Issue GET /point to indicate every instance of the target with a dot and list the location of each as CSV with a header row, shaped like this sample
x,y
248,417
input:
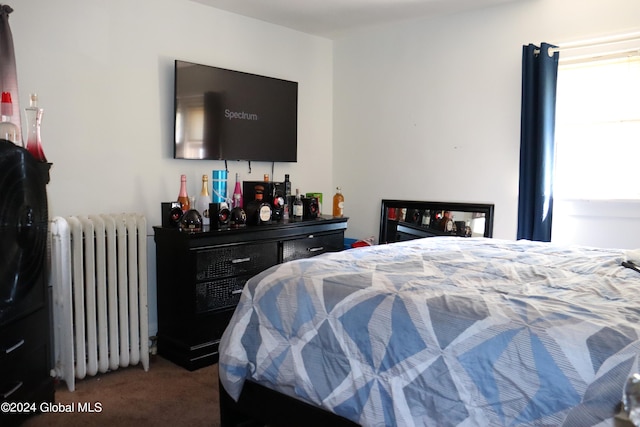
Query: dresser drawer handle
x,y
13,390
319,248
239,260
14,347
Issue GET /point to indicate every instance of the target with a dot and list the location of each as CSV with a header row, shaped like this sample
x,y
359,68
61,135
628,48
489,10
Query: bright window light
x,y
598,130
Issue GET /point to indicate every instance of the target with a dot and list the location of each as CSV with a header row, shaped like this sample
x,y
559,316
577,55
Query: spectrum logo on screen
x,y
240,115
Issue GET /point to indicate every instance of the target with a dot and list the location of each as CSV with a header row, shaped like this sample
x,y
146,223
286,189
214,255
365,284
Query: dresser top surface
x,y
255,232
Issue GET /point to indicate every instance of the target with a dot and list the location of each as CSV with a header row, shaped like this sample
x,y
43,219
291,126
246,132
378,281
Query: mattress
x,y
443,331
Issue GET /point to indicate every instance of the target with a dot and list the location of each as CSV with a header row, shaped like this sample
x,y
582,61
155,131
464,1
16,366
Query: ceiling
x,y
332,18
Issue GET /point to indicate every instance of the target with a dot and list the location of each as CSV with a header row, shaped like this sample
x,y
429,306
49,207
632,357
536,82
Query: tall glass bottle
x,y
203,200
237,193
426,218
287,198
297,207
8,129
34,119
287,185
183,196
338,204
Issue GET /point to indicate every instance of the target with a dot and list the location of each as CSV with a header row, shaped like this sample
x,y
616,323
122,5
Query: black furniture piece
x,y
201,275
25,327
261,406
402,220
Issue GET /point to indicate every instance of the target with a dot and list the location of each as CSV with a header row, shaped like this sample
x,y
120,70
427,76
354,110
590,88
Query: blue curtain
x,y
537,149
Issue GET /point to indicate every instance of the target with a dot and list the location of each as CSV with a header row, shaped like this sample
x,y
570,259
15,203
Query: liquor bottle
x,y
287,198
183,196
392,213
447,222
238,218
297,207
265,211
34,119
223,217
287,185
237,191
426,218
203,200
338,204
237,201
8,129
175,214
191,221
258,211
279,207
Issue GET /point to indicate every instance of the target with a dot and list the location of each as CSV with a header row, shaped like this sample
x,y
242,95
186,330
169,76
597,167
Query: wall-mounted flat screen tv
x,y
231,115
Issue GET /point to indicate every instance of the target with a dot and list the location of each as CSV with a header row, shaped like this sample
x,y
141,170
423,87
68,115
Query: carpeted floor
x,y
165,395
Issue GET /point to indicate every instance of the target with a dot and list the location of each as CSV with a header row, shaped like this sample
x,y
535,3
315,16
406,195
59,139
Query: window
x,y
598,130
597,176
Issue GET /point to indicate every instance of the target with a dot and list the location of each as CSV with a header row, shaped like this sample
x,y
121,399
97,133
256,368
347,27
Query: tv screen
x,y
230,115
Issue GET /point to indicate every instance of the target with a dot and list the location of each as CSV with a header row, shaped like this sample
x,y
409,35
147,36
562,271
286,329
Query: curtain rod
x,y
601,41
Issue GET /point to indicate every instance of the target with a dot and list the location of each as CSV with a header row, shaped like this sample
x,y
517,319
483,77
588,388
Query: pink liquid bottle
x,y
34,119
237,193
183,196
8,129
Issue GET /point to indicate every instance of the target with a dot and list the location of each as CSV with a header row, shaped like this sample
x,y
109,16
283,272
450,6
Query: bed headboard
x,y
410,219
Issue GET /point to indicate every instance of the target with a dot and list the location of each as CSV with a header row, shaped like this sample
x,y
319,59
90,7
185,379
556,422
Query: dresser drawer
x,y
235,260
23,356
21,337
312,245
17,383
219,294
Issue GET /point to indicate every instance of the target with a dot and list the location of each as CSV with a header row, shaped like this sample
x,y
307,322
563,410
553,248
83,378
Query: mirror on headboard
x,y
408,219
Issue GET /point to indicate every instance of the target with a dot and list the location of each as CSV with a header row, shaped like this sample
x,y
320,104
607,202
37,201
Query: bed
x,y
442,331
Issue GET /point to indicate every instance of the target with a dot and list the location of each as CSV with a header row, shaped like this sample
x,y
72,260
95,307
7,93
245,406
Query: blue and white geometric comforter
x,y
443,331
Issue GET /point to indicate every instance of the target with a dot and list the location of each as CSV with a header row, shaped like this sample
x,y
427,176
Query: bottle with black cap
x,y
298,208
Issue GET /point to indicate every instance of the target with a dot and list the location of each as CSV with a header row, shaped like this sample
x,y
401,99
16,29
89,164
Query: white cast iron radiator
x,y
99,287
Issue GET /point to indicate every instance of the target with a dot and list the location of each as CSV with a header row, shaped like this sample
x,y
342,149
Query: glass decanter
x,y
34,119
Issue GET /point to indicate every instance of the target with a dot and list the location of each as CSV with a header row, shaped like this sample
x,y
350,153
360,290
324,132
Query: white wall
x,y
103,71
430,109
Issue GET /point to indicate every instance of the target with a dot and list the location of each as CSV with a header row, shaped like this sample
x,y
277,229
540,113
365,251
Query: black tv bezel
x,y
286,159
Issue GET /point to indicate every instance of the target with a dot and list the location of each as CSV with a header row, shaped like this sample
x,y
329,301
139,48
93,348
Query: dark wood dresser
x,y
200,277
26,385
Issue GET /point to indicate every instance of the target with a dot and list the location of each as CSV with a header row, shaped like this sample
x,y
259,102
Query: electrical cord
x,y
631,265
